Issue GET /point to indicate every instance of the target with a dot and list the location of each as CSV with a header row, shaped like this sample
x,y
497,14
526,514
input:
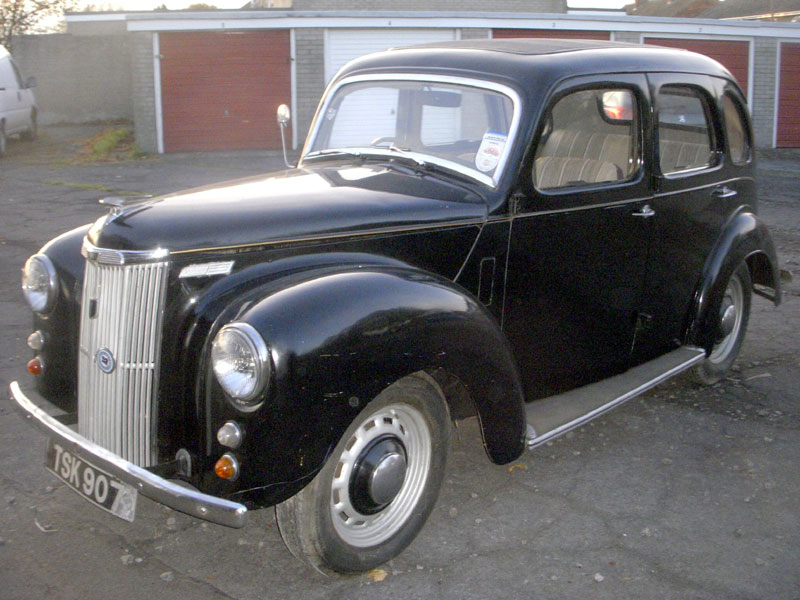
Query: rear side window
x,y
685,139
590,139
736,131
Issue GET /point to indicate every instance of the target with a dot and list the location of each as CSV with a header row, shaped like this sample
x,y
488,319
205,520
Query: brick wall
x,y
475,34
143,88
79,79
310,76
763,76
631,37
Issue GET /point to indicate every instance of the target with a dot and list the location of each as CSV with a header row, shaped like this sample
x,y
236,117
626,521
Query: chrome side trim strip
x,y
533,442
169,493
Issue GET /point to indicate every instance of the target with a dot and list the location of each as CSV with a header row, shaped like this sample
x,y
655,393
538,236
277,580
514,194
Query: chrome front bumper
x,y
166,492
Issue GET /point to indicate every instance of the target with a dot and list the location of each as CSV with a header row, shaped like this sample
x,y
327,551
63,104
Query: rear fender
x,y
744,239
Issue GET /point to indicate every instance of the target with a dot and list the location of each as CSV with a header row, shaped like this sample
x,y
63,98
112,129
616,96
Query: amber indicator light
x,y
226,467
35,366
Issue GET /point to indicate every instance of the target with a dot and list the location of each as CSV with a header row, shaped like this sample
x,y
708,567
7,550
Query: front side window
x,y
464,127
589,138
685,139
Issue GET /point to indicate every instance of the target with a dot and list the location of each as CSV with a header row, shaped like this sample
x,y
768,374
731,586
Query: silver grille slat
x,y
121,312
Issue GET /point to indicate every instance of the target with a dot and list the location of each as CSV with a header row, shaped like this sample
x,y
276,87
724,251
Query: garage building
x,y
212,80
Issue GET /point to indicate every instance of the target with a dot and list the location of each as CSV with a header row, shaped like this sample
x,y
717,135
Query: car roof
x,y
526,62
528,46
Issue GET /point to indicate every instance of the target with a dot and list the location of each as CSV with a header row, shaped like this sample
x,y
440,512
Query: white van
x,y
17,104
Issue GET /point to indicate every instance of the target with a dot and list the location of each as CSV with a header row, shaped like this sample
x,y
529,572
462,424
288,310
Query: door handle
x,y
645,212
724,192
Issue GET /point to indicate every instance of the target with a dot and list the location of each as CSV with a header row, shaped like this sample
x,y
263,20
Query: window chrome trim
x,y
106,256
483,84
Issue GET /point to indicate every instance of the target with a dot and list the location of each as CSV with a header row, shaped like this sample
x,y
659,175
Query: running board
x,y
554,416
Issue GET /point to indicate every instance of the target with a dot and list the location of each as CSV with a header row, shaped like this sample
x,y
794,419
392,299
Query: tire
x,y
737,298
33,130
377,488
3,139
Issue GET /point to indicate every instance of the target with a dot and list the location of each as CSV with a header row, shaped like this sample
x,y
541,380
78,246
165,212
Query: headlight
x,y
240,360
40,283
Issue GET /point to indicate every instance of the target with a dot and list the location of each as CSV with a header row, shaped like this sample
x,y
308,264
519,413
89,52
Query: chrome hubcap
x,y
730,321
380,475
387,478
727,320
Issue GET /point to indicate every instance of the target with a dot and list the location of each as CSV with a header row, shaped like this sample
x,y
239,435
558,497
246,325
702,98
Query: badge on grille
x,y
105,360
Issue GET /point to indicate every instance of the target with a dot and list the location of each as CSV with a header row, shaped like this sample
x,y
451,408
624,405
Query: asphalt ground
x,y
686,492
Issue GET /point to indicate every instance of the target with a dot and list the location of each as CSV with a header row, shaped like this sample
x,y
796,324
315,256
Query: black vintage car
x,y
530,232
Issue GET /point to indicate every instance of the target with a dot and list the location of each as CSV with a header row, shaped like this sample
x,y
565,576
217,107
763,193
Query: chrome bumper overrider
x,y
166,492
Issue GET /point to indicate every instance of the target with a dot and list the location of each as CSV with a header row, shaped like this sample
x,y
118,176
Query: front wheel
x,y
379,485
731,323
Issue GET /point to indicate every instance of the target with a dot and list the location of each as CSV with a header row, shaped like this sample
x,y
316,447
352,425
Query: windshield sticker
x,y
490,151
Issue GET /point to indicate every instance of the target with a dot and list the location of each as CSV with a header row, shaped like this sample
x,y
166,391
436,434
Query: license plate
x,y
97,486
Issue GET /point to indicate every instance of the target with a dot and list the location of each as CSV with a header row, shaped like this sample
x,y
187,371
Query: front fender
x,y
339,339
744,239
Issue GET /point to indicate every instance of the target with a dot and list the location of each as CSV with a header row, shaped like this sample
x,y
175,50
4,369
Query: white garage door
x,y
343,45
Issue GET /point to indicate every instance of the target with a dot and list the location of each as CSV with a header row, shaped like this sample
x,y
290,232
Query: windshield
x,y
465,127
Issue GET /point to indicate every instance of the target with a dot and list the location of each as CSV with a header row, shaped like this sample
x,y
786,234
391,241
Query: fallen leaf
x,y
44,528
377,575
759,376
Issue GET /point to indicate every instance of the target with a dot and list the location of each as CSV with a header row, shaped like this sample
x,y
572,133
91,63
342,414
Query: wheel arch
x,y
744,239
344,337
337,339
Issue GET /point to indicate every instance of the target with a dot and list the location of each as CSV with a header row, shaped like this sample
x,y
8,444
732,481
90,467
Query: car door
x,y
25,102
7,91
694,192
11,97
579,237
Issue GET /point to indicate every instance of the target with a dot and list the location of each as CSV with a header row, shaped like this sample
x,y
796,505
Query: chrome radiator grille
x,y
120,343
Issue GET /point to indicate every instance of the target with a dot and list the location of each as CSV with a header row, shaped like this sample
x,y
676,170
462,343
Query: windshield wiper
x,y
407,153
332,154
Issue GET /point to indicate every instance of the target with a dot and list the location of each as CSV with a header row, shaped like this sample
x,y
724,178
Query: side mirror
x,y
284,116
617,106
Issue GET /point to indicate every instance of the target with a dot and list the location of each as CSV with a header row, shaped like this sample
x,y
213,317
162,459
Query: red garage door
x,y
789,97
561,34
219,91
733,55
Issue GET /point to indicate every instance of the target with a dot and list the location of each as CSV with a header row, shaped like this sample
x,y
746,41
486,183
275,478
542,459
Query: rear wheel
x,y
731,323
33,128
378,486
